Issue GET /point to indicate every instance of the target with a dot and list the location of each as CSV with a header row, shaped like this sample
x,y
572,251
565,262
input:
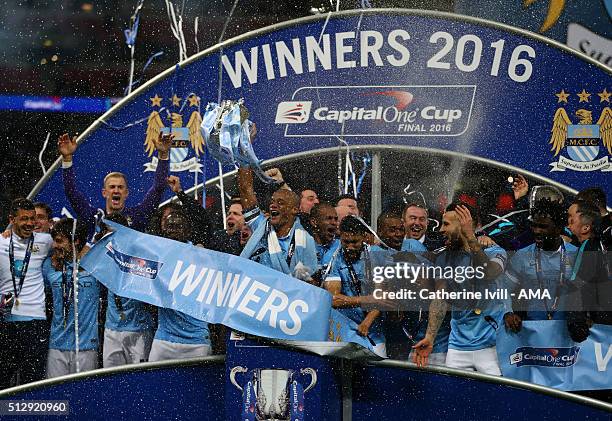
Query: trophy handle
x,y
313,377
233,372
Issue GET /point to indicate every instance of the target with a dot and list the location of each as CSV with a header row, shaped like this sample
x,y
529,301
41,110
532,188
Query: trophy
x,y
550,193
273,393
228,132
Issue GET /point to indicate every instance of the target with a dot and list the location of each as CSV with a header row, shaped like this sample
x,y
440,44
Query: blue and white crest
x,y
185,136
583,141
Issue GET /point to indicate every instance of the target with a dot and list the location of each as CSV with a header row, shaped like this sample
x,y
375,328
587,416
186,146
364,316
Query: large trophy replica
x,y
227,133
273,393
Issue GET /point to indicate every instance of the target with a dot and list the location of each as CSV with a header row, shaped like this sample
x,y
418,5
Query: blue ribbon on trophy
x,y
273,393
226,131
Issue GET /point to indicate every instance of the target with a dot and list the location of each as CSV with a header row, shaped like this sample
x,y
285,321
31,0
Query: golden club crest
x,y
186,137
584,140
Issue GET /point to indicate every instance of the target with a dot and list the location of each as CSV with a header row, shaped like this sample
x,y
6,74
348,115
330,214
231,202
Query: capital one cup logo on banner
x,y
545,357
138,266
585,135
321,111
186,136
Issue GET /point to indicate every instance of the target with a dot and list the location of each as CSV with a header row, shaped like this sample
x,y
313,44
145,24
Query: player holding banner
x,y
347,283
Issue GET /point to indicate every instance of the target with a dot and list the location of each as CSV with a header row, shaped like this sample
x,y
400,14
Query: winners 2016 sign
x,y
422,80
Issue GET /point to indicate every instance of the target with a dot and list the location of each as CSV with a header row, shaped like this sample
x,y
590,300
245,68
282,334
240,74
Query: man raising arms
x,y
115,189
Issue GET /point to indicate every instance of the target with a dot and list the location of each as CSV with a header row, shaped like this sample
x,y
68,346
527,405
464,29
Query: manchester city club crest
x,y
186,137
585,141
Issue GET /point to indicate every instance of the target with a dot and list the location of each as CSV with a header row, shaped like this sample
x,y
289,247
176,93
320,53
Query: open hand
x,y
174,183
520,187
66,146
163,145
466,221
422,349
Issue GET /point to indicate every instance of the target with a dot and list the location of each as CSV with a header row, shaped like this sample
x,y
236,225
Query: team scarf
x,y
265,237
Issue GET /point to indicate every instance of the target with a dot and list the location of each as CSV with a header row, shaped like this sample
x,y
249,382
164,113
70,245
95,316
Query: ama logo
x,y
293,112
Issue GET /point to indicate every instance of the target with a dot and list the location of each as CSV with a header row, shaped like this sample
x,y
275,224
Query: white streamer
x,y
501,218
75,288
133,48
221,182
176,26
40,155
195,31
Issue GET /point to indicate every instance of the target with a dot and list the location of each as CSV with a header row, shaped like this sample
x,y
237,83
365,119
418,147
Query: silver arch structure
x,y
395,364
332,15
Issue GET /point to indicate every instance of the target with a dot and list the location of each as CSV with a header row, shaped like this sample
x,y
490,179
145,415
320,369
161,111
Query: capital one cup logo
x,y
372,110
545,357
293,112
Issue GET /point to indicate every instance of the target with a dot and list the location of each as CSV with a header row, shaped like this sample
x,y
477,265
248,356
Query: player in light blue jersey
x,y
347,283
280,241
471,344
178,335
58,275
405,328
545,265
128,330
324,222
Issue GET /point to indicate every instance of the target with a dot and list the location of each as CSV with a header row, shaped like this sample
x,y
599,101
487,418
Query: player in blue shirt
x,y
545,265
58,275
279,242
471,344
128,330
324,222
178,335
347,283
405,328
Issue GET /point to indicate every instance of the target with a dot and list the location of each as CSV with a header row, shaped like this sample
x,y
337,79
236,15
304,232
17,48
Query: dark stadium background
x,y
77,48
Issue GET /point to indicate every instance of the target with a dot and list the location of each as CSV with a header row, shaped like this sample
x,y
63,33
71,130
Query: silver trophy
x,y
226,106
272,388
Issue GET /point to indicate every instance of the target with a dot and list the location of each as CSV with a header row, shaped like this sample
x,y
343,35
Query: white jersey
x,y
32,296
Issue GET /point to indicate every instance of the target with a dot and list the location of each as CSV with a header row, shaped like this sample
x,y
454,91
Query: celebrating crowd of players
x,y
560,246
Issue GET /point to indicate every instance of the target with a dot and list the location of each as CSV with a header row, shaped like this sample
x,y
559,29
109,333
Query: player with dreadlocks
x,y
545,266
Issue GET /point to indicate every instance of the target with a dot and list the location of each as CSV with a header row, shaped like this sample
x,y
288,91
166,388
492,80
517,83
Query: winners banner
x,y
217,288
543,353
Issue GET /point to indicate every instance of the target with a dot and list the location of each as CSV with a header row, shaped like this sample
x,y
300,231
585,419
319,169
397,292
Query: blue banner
x,y
543,353
56,104
208,285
